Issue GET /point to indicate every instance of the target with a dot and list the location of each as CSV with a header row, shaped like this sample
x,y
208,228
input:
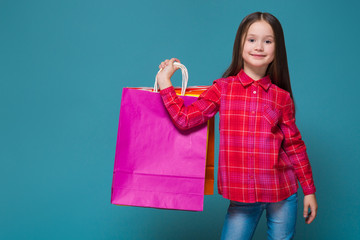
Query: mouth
x,y
258,55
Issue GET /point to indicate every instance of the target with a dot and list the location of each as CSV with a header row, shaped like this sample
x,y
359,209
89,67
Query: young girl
x,y
261,153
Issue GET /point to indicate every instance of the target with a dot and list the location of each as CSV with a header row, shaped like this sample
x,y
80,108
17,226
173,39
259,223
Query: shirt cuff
x,y
167,90
308,191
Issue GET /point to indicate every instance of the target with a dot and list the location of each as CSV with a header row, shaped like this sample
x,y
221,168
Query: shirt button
x,y
252,177
254,92
252,112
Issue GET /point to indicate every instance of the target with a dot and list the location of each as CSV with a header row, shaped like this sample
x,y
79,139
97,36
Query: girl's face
x,y
259,47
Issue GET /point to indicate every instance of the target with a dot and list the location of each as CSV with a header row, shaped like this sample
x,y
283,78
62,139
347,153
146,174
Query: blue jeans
x,y
242,218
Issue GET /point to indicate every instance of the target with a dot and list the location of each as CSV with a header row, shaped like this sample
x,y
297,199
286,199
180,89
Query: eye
x,y
268,41
251,40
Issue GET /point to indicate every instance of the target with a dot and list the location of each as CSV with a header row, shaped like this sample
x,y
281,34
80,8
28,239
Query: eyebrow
x,y
256,35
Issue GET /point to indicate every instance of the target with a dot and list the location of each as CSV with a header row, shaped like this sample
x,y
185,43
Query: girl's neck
x,y
255,73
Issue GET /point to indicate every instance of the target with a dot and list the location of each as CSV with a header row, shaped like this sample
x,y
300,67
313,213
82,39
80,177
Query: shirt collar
x,y
245,80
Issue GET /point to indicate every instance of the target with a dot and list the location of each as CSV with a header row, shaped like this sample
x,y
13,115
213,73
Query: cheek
x,y
272,53
245,49
272,57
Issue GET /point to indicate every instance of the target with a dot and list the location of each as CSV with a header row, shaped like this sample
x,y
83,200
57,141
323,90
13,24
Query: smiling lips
x,y
258,55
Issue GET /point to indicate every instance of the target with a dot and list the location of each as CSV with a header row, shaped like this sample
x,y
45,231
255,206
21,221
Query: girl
x,y
262,154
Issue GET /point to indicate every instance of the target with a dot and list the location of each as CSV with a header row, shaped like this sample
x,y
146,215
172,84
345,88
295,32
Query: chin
x,y
258,65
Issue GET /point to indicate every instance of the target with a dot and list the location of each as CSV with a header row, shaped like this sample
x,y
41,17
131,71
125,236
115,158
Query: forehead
x,y
261,28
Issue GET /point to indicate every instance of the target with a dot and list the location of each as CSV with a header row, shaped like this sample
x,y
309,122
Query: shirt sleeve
x,y
295,148
204,108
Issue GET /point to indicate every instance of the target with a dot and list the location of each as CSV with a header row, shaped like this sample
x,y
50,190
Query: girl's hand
x,y
310,202
168,69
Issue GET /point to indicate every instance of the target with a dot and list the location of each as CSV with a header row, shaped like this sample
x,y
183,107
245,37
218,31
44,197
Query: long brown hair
x,y
278,69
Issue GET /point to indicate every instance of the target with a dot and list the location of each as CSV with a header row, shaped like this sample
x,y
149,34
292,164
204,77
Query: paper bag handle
x,y
185,78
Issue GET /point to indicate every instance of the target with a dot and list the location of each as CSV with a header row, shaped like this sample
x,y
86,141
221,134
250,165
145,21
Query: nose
x,y
259,46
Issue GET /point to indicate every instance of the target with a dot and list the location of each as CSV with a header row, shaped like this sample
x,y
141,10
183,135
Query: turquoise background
x,y
63,65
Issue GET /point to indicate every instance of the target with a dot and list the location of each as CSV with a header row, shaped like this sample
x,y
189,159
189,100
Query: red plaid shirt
x,y
261,153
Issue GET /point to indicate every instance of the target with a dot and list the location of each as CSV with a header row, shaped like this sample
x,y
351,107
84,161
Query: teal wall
x,y
63,65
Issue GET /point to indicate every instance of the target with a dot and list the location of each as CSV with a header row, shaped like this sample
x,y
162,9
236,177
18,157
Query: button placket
x,y
251,163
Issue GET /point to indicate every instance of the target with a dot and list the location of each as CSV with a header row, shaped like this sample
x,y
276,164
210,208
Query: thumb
x,y
171,62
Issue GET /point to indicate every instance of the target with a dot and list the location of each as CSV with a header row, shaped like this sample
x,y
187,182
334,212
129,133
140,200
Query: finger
x,y
313,210
306,210
311,218
172,62
163,64
166,63
175,60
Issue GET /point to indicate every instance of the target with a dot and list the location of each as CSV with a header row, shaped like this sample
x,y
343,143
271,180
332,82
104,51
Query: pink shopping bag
x,y
156,164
